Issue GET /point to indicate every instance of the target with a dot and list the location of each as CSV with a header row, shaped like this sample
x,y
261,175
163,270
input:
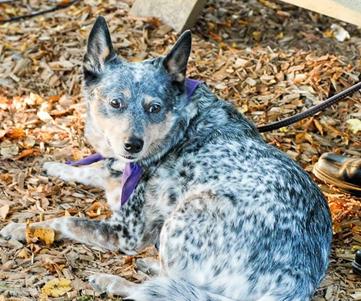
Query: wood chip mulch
x,y
268,58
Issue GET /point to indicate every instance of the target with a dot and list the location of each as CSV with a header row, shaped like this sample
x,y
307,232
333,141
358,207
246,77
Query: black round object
x,y
356,264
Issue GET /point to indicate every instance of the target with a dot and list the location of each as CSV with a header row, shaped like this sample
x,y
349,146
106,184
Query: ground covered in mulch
x,y
268,58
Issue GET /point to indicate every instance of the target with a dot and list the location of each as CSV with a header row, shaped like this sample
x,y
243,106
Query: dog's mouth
x,y
129,158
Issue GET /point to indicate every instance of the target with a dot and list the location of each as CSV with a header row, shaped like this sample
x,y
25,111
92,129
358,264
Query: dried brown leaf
x,y
45,235
4,210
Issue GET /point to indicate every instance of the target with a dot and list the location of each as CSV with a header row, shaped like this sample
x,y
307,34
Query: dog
x,y
234,218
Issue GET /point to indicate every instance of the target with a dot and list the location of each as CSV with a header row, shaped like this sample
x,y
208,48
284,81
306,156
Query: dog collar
x,y
132,172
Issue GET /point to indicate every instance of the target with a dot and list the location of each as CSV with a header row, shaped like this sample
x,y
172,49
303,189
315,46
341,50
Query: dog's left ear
x,y
175,62
99,50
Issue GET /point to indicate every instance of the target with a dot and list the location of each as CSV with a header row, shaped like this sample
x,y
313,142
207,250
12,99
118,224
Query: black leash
x,y
61,5
311,111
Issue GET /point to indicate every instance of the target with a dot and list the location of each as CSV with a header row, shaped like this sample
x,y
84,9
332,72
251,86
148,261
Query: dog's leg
x,y
110,234
124,231
94,175
110,284
98,233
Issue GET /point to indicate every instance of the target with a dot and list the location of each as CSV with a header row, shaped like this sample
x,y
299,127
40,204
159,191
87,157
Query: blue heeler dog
x,y
234,218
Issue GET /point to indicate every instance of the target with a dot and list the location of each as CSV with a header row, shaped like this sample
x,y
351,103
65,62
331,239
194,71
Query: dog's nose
x,y
134,145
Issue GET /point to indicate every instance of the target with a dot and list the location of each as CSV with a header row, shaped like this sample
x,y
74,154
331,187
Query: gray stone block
x,y
179,14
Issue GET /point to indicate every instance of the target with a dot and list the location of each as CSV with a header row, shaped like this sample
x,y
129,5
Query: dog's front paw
x,y
14,231
111,284
101,282
54,169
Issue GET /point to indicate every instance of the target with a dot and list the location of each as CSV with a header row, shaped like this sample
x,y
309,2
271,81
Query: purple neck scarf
x,y
132,172
87,160
191,86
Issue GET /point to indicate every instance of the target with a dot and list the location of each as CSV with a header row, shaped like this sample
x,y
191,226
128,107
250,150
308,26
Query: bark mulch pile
x,y
268,58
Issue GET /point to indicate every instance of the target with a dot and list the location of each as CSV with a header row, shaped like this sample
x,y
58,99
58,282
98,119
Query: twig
x,y
62,5
7,1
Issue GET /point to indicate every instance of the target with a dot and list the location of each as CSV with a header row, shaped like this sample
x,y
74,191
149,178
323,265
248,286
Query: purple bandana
x,y
87,160
191,86
133,171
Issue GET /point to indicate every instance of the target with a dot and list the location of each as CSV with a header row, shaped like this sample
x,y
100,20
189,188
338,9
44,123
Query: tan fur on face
x,y
105,134
97,139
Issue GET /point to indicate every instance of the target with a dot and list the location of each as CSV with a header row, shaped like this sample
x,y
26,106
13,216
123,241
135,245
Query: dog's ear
x,y
99,50
175,62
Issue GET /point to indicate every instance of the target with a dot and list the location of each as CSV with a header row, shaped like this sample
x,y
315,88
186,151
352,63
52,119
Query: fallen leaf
x,y
269,4
24,253
8,149
153,21
356,230
257,35
318,126
45,235
280,35
45,136
52,266
336,228
340,33
354,125
33,99
240,63
29,142
328,33
56,287
97,209
6,177
215,36
44,116
28,152
15,133
4,210
76,154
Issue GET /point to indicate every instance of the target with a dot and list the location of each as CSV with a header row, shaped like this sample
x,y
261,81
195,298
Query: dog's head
x,y
132,107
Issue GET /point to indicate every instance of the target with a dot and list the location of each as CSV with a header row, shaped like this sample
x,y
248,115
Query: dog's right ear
x,y
99,50
175,62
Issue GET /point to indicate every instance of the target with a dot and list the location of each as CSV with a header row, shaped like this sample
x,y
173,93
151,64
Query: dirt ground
x,y
268,58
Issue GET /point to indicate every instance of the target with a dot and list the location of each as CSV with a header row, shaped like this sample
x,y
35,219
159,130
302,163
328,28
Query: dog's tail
x,y
166,289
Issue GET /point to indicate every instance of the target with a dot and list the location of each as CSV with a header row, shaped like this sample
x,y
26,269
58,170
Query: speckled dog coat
x,y
235,218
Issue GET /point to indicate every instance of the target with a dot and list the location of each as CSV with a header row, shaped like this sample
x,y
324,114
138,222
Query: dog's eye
x,y
155,108
115,103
